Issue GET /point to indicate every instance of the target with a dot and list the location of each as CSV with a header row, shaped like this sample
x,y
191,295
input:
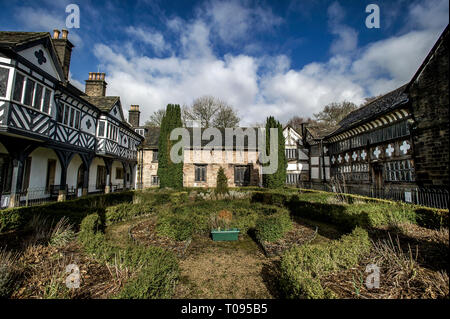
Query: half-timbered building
x,y
399,142
56,140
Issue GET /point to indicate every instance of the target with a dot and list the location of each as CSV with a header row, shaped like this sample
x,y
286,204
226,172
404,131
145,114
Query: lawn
x,y
157,244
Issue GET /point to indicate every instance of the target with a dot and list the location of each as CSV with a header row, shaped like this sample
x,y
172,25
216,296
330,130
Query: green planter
x,y
222,235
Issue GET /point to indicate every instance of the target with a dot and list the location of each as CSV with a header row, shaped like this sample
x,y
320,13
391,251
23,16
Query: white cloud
x,y
153,38
347,38
430,14
234,21
41,20
259,86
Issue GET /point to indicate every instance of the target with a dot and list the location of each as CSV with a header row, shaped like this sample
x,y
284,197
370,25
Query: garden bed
x,y
145,234
298,235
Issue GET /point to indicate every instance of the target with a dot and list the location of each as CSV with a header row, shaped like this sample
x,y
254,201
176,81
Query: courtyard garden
x,y
157,244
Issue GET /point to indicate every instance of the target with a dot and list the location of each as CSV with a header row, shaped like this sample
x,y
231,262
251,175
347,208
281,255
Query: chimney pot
x,y
56,34
65,32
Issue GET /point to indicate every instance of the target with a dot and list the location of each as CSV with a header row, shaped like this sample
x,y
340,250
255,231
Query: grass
x,y
226,270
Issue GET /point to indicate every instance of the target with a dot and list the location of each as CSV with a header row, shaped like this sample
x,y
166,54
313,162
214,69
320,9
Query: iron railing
x,y
429,197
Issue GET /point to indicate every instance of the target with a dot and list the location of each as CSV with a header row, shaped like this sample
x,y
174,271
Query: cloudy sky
x,y
280,58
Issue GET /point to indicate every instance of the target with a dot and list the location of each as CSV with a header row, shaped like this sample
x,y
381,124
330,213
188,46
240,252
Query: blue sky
x,y
281,58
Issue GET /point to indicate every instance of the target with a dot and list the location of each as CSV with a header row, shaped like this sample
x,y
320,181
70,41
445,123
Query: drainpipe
x,y
323,162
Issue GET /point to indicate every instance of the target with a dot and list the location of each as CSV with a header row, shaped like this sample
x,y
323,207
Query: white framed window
x,y
101,128
4,74
113,132
31,93
71,116
140,131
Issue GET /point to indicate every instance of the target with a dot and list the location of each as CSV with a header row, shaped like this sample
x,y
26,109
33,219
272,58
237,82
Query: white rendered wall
x,y
39,165
93,173
114,179
72,171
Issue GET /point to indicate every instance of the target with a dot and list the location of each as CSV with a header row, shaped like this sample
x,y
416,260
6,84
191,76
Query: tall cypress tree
x,y
170,174
278,179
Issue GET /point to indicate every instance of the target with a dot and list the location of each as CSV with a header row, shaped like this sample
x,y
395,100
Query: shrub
x,y
125,211
62,233
75,210
222,182
176,227
273,227
432,218
158,269
302,267
157,278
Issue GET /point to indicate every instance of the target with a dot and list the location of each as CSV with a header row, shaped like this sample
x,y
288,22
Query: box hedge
x,y
303,266
75,210
157,269
364,212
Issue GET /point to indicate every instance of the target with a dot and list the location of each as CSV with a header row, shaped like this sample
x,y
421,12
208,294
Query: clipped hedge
x,y
75,210
302,267
125,211
160,197
273,227
158,268
183,221
363,212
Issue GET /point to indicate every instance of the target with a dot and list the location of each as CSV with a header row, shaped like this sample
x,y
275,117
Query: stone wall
x,y
216,159
213,159
430,105
150,169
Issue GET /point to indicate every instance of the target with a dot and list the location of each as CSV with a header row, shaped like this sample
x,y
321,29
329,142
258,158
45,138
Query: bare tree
x,y
211,111
333,113
226,117
156,118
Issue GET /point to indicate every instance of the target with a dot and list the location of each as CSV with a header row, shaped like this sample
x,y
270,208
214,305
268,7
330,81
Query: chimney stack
x,y
96,84
134,115
63,49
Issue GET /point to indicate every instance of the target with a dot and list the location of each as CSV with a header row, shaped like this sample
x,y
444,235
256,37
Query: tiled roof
x,y
13,38
377,107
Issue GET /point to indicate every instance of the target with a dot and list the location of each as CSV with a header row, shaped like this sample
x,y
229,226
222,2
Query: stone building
x,y
201,165
56,140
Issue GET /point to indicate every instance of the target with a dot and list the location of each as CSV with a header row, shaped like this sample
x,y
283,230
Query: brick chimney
x,y
134,115
63,49
96,84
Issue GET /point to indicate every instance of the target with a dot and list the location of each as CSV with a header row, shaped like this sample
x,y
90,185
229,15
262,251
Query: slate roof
x,y
152,137
104,103
13,38
374,109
